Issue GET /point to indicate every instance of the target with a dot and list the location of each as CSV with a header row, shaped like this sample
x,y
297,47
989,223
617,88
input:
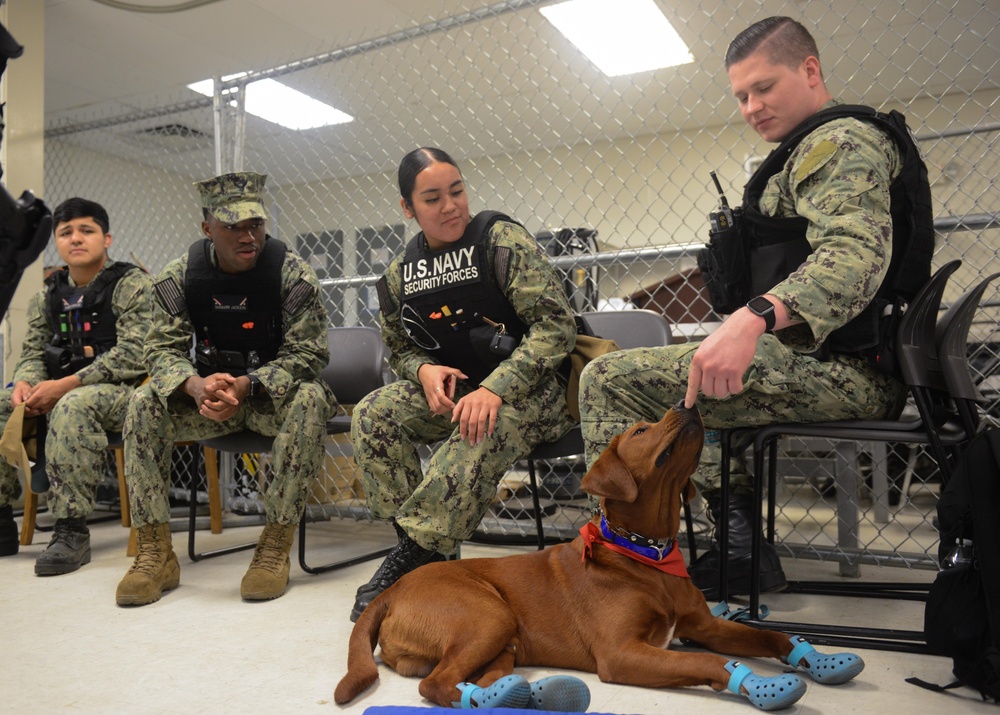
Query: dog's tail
x,y
361,668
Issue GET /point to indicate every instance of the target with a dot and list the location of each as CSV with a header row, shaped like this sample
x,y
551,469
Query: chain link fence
x,y
611,173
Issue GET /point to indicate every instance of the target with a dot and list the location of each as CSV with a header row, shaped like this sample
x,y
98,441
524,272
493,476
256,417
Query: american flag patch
x,y
170,295
300,294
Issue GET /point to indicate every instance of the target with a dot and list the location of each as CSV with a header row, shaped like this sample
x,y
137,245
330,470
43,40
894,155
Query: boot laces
x,y
151,556
270,553
404,557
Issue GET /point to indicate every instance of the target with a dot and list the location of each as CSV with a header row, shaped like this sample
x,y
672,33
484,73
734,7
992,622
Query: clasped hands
x,y
219,395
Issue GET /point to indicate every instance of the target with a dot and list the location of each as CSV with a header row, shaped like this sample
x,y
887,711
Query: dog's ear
x,y
609,477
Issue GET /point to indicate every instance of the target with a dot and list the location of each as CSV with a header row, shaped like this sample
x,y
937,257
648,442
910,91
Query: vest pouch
x,y
490,346
209,360
232,361
724,264
774,262
58,361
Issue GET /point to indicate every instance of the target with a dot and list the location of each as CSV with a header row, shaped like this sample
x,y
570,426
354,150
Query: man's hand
x,y
217,396
41,398
722,359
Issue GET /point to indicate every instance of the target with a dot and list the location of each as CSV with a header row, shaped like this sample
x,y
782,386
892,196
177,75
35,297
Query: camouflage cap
x,y
232,198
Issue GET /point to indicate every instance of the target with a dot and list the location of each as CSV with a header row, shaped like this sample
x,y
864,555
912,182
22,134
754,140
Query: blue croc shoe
x,y
560,693
511,691
774,693
828,669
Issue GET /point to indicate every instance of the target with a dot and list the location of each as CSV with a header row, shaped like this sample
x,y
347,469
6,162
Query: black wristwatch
x,y
764,308
256,388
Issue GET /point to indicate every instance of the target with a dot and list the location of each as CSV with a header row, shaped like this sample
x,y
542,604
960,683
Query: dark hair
x,y
415,162
81,208
785,41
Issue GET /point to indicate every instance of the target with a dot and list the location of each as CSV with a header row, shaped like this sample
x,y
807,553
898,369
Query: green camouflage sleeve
x,y
131,305
838,179
30,366
167,348
303,353
536,292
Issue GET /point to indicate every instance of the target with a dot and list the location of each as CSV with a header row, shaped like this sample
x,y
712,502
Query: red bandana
x,y
672,563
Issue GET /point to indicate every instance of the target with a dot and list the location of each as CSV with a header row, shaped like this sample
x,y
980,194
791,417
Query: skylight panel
x,y
280,104
621,37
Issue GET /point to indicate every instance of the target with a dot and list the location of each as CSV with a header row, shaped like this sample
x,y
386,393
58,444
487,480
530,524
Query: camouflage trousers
x,y
76,457
622,388
152,425
444,503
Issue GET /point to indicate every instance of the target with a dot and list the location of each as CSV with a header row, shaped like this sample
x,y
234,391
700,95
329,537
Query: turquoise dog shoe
x,y
560,693
828,669
774,693
511,691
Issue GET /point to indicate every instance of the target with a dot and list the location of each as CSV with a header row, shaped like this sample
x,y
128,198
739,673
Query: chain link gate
x,y
542,135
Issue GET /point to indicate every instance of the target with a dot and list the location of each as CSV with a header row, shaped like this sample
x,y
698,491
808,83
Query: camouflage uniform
x,y
76,443
442,505
838,178
294,410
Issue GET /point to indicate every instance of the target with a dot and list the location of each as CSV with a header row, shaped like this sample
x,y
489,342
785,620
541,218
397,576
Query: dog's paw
x,y
825,668
765,693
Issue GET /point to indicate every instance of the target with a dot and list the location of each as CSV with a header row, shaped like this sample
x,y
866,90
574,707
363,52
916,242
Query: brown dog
x,y
574,606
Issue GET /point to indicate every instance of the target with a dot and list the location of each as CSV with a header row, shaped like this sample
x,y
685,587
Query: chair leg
x,y
30,514
122,487
133,543
214,493
536,504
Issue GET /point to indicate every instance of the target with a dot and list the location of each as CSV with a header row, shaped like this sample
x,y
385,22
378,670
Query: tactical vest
x,y
446,294
82,318
236,316
778,246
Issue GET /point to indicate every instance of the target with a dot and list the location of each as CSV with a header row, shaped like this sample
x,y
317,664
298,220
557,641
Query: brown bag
x,y
587,348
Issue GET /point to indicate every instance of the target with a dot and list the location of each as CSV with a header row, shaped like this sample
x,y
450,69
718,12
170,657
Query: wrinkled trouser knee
x,y
781,385
298,426
443,504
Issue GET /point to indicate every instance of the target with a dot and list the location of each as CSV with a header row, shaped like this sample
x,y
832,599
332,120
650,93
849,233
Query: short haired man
x,y
802,350
255,310
81,359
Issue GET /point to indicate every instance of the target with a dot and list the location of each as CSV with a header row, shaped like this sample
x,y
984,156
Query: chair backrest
x,y
916,345
631,328
953,350
357,362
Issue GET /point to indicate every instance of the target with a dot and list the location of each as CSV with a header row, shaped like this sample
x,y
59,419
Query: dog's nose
x,y
680,406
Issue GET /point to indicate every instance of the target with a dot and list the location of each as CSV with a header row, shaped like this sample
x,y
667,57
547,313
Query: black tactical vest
x,y
235,314
446,295
778,246
82,319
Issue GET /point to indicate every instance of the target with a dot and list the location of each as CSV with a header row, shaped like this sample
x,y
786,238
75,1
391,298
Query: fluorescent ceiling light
x,y
620,36
280,104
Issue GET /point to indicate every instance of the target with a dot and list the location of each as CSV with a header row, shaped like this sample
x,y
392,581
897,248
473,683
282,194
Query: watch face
x,y
760,305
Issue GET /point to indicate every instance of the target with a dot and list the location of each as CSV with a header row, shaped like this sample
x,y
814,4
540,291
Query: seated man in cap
x,y
255,310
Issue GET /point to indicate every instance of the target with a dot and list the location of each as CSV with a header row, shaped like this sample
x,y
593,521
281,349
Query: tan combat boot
x,y
155,569
267,576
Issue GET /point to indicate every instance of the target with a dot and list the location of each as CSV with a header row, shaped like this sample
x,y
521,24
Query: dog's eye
x,y
639,430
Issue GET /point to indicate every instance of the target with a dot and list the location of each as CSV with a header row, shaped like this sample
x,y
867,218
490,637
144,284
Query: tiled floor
x,y
66,646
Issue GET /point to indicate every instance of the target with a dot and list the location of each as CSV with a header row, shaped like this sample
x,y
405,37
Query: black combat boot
x,y
9,541
705,569
404,557
68,550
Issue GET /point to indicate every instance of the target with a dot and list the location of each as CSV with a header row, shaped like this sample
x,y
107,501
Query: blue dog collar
x,y
637,543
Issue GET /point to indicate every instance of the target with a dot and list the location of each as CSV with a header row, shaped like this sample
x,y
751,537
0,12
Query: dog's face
x,y
649,462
